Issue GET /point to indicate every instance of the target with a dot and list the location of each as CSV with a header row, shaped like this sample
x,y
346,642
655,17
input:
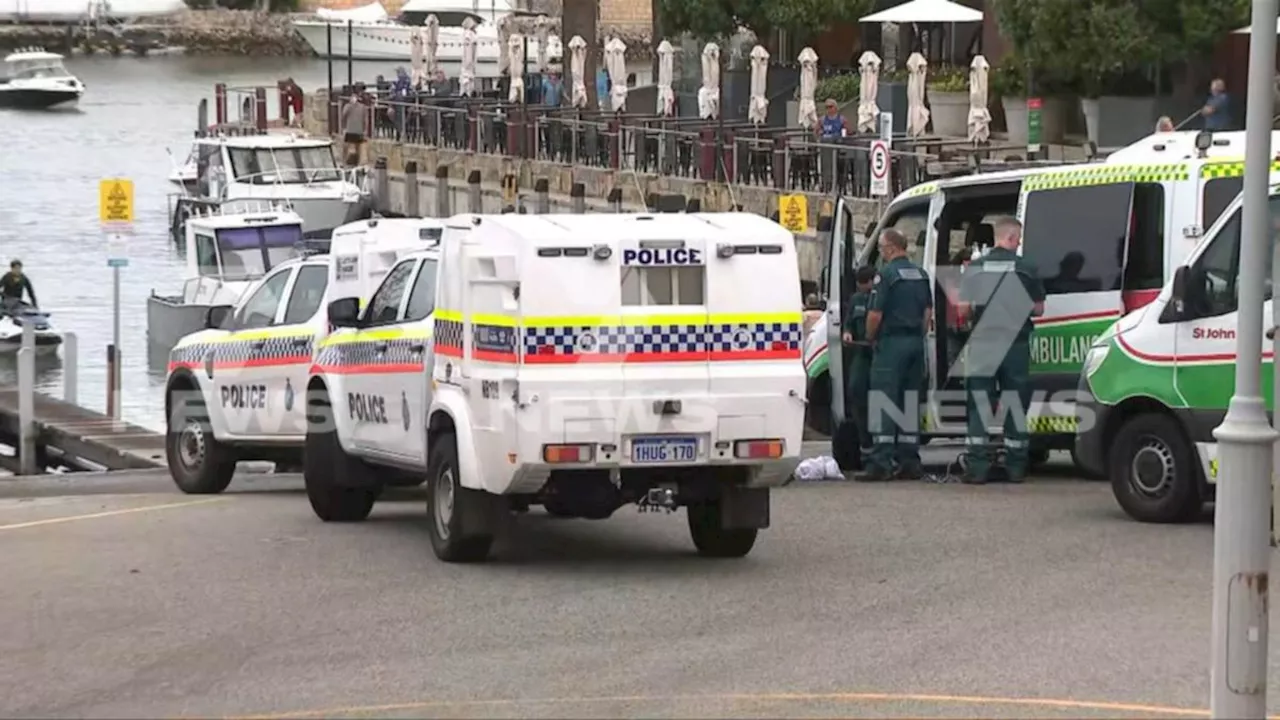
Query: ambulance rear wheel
x,y
340,487
448,505
1153,471
199,464
712,539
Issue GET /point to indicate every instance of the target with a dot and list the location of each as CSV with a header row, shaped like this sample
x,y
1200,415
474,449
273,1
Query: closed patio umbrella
x,y
979,114
808,109
542,31
758,109
615,58
666,68
467,75
578,66
431,45
917,113
515,46
709,93
868,111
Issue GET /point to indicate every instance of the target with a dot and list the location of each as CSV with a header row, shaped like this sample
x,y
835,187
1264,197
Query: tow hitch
x,y
657,499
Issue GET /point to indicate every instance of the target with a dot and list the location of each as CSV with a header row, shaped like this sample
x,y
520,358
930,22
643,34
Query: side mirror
x,y
871,228
1177,308
215,318
344,312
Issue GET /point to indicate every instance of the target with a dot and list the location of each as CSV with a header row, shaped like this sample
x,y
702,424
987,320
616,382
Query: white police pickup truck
x,y
578,362
234,390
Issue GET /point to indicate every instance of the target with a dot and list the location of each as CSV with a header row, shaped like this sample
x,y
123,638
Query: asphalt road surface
x,y
121,597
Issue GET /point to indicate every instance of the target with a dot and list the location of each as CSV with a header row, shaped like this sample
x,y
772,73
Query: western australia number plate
x,y
664,450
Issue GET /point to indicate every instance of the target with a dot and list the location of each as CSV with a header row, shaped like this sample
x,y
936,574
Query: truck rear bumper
x,y
753,474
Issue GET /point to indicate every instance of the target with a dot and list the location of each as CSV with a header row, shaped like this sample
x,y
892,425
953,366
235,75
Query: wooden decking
x,y
77,438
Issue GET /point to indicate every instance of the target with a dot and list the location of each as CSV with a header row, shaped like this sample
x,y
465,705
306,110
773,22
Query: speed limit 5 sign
x,y
879,168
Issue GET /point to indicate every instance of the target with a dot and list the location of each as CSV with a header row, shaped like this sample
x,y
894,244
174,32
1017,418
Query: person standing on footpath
x,y
355,130
901,310
1001,292
858,347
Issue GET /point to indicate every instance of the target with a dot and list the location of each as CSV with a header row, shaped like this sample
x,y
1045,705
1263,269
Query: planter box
x,y
1053,120
1119,121
949,113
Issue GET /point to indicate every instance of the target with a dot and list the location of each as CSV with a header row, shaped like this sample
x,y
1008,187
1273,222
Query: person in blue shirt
x,y
602,89
833,124
551,86
1217,108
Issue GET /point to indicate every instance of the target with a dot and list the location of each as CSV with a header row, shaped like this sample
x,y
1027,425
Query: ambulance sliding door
x,y
1075,231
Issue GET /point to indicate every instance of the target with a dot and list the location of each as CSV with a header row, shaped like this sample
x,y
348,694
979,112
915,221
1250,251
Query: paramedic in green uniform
x,y
1001,292
901,310
858,347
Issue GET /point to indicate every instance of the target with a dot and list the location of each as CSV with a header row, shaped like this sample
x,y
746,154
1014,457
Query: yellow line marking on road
x,y
108,513
863,697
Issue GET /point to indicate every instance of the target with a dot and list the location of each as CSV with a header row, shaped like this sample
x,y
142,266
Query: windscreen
x,y
263,166
249,252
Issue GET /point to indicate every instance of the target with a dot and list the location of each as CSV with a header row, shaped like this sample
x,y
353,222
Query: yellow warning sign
x,y
115,200
793,213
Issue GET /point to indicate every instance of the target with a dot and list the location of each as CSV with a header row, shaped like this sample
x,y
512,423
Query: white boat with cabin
x,y
272,167
33,79
389,39
225,253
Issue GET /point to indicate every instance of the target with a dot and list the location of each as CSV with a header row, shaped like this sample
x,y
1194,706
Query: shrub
x,y
949,79
843,88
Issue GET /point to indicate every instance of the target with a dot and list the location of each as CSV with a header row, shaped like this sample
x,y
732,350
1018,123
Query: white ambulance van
x,y
1157,383
1105,237
578,362
234,389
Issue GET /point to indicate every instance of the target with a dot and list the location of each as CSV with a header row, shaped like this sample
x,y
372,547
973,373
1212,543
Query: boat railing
x,y
198,207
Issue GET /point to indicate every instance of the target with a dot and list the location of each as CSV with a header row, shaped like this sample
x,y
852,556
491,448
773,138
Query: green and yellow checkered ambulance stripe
x,y
1228,168
1100,174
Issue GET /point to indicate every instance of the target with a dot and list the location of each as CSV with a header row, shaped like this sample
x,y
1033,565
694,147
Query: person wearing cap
x,y
14,285
355,130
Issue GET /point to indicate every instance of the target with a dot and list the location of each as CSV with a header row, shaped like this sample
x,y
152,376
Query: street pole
x,y
117,374
1241,534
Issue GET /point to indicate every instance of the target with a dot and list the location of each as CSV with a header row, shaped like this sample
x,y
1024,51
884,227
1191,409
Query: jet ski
x,y
15,316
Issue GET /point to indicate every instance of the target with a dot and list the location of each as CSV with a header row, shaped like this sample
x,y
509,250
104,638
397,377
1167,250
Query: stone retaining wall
x,y
201,32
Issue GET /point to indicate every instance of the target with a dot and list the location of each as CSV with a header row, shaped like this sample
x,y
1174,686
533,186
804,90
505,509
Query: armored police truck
x,y
1105,236
235,389
578,362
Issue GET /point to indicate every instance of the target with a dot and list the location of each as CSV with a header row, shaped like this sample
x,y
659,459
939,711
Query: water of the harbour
x,y
134,109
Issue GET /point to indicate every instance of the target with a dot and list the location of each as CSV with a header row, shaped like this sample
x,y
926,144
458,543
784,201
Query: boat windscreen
x,y
288,165
249,252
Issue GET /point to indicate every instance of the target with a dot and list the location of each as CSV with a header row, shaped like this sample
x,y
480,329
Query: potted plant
x,y
1112,49
1008,81
948,97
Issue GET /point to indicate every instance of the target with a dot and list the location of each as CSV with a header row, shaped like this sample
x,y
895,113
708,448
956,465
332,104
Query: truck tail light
x,y
757,449
558,454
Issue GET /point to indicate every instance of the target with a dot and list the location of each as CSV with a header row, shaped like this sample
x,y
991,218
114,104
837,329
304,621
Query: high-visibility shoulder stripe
x,y
1102,174
1228,168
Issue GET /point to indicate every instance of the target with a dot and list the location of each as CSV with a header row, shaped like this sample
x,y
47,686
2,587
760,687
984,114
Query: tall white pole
x,y
1241,535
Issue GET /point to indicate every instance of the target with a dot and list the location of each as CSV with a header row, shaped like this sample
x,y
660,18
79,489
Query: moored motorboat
x,y
37,80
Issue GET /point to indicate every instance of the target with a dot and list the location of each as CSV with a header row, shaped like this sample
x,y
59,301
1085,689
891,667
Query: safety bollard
x,y
578,198
615,200
542,196
381,187
442,192
27,411
412,203
475,198
71,368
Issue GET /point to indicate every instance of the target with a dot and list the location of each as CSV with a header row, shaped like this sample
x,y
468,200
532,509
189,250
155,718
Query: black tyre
x,y
446,507
1039,456
199,464
339,486
711,539
1154,471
